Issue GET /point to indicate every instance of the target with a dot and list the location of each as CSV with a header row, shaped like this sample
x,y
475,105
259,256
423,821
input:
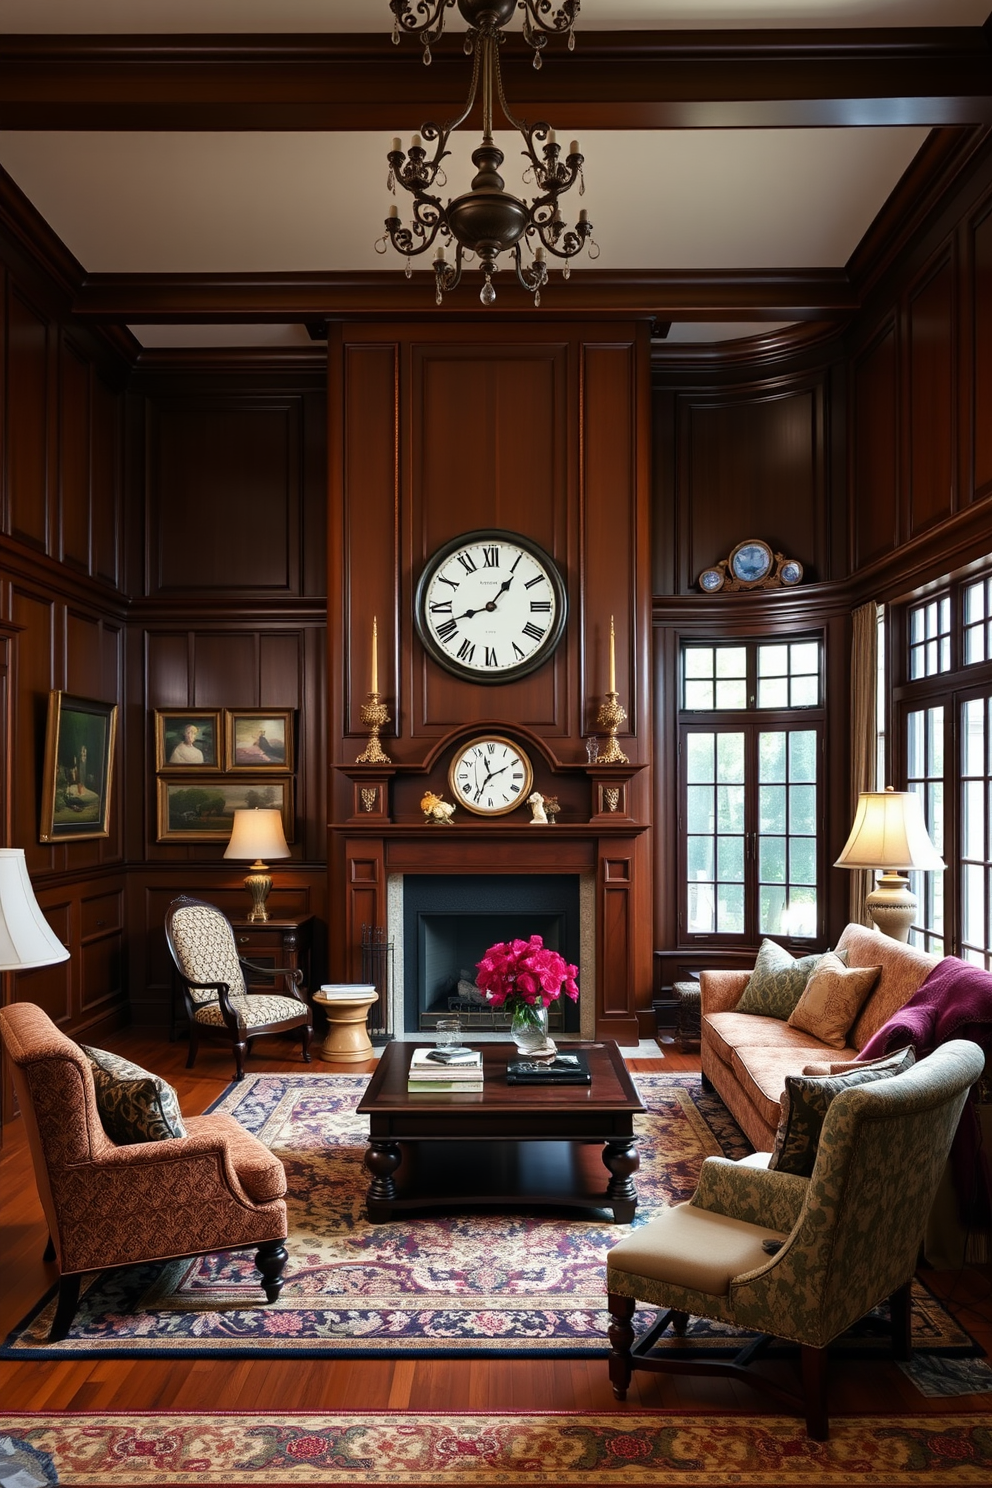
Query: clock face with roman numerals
x,y
490,776
490,606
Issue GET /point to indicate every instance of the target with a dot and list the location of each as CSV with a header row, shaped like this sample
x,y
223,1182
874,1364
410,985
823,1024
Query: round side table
x,y
347,1006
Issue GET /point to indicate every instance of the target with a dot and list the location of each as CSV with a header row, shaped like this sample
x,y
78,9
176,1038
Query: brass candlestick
x,y
374,715
611,715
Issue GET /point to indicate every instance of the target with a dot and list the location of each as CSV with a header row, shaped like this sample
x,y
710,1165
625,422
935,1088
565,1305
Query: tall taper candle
x,y
375,653
613,658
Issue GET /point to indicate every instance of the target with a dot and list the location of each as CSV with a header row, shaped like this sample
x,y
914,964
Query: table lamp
x,y
26,937
258,834
889,833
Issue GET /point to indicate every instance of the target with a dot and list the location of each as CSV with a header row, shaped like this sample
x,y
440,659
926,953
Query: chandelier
x,y
486,220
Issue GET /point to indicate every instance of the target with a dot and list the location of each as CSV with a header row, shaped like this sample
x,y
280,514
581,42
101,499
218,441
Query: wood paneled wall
x,y
63,615
229,611
920,451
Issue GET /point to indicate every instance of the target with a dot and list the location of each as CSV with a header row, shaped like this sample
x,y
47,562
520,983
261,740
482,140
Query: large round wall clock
x,y
490,775
490,606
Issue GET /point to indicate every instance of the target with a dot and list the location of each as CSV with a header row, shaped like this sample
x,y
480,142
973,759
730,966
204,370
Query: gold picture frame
x,y
80,737
259,739
182,734
202,810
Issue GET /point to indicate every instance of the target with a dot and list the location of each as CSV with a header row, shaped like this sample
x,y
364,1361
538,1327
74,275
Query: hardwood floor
x,y
417,1384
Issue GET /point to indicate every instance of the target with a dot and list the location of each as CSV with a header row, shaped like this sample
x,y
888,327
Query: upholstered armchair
x,y
218,1000
844,1239
215,1189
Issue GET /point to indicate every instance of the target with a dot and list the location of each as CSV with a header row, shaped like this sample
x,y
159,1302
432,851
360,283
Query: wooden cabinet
x,y
284,942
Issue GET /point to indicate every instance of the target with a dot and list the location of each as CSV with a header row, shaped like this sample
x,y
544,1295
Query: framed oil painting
x,y
191,740
203,810
79,764
259,738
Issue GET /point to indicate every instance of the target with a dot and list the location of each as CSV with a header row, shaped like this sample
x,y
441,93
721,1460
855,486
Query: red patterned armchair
x,y
217,1188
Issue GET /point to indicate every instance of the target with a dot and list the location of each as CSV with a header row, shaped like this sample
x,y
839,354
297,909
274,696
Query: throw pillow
x,y
804,1105
832,999
134,1106
777,981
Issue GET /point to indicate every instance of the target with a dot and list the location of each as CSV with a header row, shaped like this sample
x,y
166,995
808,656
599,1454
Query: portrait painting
x,y
260,739
191,740
79,758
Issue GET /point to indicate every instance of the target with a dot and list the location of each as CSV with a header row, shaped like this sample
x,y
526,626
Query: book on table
x,y
445,1087
564,1069
441,1067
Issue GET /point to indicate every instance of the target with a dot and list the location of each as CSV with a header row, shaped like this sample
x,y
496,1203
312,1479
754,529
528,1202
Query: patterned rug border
x,y
643,1448
703,1109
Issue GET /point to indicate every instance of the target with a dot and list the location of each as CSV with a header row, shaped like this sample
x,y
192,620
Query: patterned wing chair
x,y
846,1238
218,1000
217,1188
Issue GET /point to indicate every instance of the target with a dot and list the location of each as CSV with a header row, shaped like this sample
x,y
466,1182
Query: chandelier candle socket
x,y
486,220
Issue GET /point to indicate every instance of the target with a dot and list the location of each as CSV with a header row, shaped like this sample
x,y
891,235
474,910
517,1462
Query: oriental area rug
x,y
480,1283
649,1449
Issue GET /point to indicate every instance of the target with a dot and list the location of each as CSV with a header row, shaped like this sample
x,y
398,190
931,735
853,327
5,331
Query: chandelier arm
x,y
428,220
428,30
560,23
520,125
559,241
532,278
429,130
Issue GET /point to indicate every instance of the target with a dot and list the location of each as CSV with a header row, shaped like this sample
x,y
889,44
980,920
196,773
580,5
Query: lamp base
x,y
892,906
258,883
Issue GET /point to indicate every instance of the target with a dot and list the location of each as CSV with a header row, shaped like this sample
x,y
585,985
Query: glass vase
x,y
529,1029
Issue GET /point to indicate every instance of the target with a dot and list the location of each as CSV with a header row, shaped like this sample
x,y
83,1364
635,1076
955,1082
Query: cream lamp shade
x,y
257,834
26,937
889,833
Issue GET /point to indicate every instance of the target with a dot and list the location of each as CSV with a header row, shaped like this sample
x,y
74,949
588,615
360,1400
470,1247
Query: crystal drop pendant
x,y
571,41
428,59
487,294
408,271
537,62
537,299
566,272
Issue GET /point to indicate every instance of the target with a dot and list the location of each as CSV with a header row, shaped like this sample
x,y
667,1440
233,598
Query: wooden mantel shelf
x,y
602,826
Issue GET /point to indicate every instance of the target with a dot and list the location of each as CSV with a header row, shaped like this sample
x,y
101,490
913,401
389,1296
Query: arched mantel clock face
x,y
490,606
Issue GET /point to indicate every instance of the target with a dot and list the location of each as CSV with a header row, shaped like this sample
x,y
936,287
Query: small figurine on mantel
x,y
436,811
539,817
551,810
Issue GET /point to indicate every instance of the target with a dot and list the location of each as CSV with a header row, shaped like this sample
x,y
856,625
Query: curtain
x,y
864,737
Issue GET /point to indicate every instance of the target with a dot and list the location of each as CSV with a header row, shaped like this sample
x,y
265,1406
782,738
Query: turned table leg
x,y
382,1158
622,1159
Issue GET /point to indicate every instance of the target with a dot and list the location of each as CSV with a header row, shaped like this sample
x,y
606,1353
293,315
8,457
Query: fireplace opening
x,y
451,920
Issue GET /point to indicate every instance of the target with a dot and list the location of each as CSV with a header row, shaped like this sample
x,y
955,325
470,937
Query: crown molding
x,y
759,350
613,80
292,364
775,294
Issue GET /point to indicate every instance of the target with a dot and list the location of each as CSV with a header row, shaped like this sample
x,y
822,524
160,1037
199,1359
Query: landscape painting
x,y
260,739
204,812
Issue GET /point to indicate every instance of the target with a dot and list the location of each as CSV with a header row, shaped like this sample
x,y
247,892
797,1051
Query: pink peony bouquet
x,y
525,973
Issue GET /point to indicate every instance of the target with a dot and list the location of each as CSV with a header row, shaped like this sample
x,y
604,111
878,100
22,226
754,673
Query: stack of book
x,y
445,1071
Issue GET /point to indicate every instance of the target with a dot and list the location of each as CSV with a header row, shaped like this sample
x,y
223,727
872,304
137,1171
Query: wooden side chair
x,y
218,1000
798,1258
113,1203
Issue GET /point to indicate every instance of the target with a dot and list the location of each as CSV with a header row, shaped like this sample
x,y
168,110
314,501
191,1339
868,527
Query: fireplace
x,y
449,921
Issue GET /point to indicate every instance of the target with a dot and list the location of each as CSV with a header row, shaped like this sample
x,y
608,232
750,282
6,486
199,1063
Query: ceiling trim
x,y
758,350
618,80
776,294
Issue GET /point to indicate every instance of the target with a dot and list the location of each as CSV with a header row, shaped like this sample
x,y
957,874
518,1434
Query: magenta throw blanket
x,y
954,1002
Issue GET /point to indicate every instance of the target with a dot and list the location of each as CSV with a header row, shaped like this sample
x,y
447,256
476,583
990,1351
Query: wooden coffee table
x,y
511,1145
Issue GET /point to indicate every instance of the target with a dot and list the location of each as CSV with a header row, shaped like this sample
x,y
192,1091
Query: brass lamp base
x,y
893,906
258,883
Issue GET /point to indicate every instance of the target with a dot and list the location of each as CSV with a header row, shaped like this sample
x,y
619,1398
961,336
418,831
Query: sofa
x,y
746,1057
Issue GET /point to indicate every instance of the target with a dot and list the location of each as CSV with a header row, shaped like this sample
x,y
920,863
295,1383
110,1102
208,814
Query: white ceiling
x,y
134,202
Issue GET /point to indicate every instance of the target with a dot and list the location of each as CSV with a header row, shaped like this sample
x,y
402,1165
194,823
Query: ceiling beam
x,y
777,294
618,80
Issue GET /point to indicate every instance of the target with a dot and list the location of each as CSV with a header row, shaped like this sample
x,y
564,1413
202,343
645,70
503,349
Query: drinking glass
x,y
449,1033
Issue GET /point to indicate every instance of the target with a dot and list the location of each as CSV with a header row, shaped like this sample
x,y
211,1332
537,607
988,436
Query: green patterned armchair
x,y
848,1236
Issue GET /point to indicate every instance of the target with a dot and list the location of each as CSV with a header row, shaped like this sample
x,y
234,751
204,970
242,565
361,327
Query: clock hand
x,y
500,591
